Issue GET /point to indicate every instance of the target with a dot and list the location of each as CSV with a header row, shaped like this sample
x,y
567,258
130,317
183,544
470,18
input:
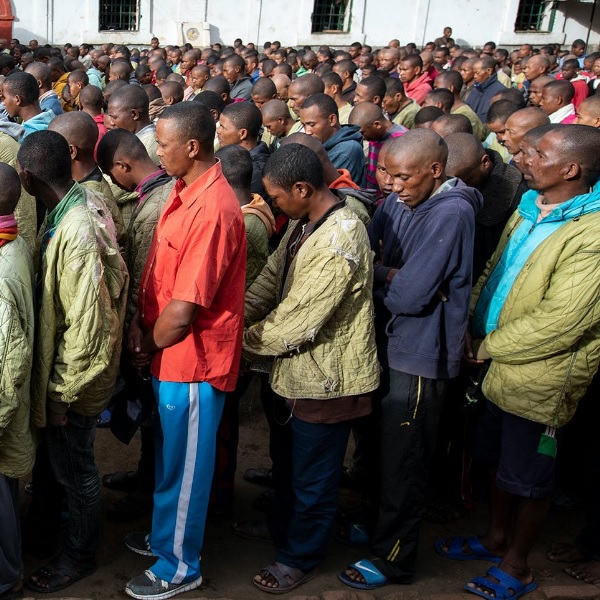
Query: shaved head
x,y
450,124
91,97
171,90
308,85
78,128
519,123
536,87
422,143
365,113
465,156
41,71
275,109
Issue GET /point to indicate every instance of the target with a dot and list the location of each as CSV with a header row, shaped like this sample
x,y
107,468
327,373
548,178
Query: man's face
x,y
412,179
514,130
499,128
569,72
317,125
187,62
578,50
480,73
227,133
499,57
447,31
596,67
391,104
362,94
260,100
250,65
154,44
466,72
230,72
488,49
407,72
175,57
586,117
10,102
120,117
549,102
13,43
171,151
74,88
387,61
524,51
535,92
353,51
198,80
533,69
384,181
543,167
33,45
296,98
290,202
440,58
363,61
83,50
344,75
17,54
275,127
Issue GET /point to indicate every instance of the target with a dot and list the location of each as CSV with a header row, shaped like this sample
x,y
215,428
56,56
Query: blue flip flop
x,y
506,588
374,578
455,550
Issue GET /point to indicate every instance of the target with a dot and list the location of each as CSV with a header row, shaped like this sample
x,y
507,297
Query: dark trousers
x,y
66,468
307,464
411,408
11,566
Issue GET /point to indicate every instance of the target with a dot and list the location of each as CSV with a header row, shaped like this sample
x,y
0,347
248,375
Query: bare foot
x,y
265,579
586,571
355,575
564,552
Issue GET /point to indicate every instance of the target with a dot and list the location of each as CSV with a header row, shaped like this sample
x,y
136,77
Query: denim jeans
x,y
71,457
307,464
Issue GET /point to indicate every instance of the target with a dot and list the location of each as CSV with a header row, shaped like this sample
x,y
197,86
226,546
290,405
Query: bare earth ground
x,y
229,563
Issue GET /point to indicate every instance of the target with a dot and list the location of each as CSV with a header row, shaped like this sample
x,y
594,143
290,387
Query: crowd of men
x,y
396,243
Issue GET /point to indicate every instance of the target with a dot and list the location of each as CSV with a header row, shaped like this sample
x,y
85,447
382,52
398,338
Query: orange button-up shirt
x,y
198,255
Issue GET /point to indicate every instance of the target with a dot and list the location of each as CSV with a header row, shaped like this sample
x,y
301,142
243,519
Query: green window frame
x,y
535,15
330,16
119,15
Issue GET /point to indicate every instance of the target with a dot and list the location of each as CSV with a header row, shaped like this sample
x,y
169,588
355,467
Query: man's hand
x,y
135,335
469,354
391,274
56,420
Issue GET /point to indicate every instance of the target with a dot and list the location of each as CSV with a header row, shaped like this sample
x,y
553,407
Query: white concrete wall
x,y
371,21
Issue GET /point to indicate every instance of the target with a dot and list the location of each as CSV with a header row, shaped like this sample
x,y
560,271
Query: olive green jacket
x,y
318,322
81,311
546,348
17,318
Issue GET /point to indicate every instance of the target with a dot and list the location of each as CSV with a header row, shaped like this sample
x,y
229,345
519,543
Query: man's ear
x,y
376,100
303,189
437,170
122,166
572,171
243,133
135,114
73,151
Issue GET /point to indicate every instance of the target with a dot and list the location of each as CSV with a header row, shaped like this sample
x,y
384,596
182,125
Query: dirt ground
x,y
229,563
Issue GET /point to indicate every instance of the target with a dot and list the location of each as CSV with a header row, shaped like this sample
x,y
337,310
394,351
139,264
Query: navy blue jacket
x,y
432,246
481,96
345,151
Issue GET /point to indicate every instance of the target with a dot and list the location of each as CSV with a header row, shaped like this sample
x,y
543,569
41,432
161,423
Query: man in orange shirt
x,y
189,330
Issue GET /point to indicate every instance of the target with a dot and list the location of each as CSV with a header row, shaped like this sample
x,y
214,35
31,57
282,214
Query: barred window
x,y
119,15
535,15
330,15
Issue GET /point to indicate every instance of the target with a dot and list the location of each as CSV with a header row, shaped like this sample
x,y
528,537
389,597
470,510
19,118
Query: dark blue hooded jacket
x,y
432,246
345,151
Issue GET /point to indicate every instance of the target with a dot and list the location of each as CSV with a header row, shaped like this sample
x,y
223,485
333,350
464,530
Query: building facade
x,y
312,22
